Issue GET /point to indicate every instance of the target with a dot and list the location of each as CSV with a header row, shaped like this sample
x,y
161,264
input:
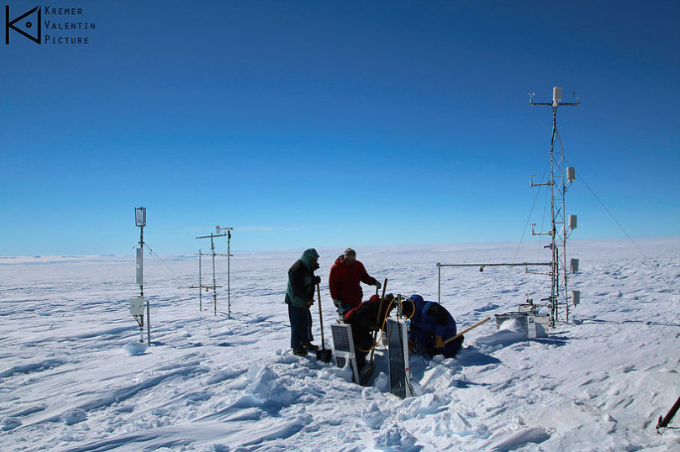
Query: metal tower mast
x,y
560,180
214,285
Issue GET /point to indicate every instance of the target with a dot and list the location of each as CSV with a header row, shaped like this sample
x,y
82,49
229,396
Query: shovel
x,y
323,354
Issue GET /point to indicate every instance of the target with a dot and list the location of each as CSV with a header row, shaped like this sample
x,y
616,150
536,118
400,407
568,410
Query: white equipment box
x,y
535,325
137,306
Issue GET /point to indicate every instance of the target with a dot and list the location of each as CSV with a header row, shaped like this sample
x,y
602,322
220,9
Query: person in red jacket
x,y
346,275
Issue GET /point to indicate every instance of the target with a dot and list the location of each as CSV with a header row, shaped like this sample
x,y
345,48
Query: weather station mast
x,y
561,179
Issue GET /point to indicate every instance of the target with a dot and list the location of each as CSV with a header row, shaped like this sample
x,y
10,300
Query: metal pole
x,y
564,235
554,289
141,245
523,264
229,274
212,246
200,283
148,322
439,283
141,287
213,254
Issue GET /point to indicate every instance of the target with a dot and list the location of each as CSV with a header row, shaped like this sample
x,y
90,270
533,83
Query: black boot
x,y
310,346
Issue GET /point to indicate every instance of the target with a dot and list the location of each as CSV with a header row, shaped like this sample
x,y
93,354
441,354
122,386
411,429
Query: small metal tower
x,y
214,285
560,180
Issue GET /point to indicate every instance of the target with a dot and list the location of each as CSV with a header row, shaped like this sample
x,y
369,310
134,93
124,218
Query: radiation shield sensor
x,y
140,216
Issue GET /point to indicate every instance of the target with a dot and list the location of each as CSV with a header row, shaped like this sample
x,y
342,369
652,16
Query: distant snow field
x,y
73,376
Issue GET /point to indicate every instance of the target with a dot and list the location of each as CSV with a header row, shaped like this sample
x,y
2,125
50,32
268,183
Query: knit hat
x,y
350,252
309,254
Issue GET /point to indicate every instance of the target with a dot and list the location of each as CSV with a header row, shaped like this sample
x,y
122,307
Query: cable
x,y
526,225
382,328
153,253
540,242
612,216
514,259
375,344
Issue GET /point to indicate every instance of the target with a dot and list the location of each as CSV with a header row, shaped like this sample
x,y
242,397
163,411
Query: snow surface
x,y
74,378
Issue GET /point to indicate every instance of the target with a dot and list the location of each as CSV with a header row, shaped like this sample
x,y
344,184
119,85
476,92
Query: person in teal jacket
x,y
299,298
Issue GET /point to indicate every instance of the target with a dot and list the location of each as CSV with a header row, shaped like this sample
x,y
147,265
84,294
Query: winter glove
x,y
317,280
439,342
310,303
377,284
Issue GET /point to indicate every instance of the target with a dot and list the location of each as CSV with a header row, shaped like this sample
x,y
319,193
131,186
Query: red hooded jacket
x,y
344,281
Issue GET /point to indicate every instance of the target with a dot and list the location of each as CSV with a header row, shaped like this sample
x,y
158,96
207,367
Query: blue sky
x,y
336,123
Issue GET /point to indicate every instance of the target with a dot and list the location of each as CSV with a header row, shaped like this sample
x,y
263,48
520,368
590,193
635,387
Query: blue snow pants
x,y
300,326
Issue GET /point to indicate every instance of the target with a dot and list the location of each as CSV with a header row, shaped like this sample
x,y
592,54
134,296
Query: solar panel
x,y
397,349
343,346
342,337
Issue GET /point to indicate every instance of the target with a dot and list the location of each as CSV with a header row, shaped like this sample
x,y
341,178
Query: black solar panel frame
x,y
397,363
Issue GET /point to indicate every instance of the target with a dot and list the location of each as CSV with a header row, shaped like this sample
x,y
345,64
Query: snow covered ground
x,y
74,378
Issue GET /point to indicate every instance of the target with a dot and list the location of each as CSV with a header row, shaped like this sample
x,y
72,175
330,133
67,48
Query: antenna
x,y
559,183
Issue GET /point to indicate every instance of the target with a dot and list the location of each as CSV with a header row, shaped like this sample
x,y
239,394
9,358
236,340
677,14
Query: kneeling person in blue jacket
x,y
431,326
